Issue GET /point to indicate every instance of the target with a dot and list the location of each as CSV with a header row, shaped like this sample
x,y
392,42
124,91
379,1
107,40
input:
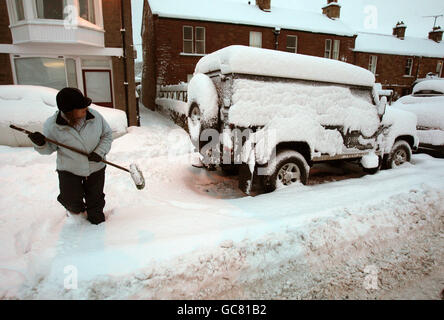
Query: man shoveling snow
x,y
80,177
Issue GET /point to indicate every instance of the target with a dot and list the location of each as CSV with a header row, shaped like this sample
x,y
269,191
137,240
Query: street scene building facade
x,y
77,43
175,36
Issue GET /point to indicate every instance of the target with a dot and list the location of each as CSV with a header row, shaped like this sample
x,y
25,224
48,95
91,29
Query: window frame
x,y
336,49
183,39
328,52
252,33
200,41
296,44
440,66
411,67
373,64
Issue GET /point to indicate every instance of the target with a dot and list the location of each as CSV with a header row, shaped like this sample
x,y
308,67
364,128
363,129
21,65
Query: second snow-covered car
x,y
278,113
427,102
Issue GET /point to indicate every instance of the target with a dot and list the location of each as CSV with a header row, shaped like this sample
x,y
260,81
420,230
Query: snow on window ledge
x,y
193,54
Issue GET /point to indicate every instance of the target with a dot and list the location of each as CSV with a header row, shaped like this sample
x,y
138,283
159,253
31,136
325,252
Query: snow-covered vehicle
x,y
427,102
278,113
29,106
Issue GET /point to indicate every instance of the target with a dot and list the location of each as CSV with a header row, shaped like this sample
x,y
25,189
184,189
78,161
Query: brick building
x,y
76,43
177,34
397,61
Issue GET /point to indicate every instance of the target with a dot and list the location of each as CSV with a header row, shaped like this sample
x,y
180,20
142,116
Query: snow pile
x,y
265,62
229,11
430,85
370,161
202,92
30,106
429,110
255,103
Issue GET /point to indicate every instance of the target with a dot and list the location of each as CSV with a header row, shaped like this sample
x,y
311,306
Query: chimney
x,y
436,34
332,9
264,5
399,30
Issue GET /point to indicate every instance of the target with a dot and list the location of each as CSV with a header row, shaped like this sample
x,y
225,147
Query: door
x,y
98,87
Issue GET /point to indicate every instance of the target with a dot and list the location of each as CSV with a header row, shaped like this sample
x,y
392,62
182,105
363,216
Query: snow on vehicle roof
x,y
432,85
243,13
265,62
388,44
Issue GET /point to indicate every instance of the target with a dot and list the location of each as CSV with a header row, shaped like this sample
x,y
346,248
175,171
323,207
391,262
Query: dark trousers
x,y
78,194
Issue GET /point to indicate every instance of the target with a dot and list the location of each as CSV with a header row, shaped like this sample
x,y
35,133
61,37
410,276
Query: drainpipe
x,y
125,66
276,32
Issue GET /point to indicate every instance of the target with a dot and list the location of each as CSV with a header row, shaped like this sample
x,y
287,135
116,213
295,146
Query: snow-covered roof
x,y
265,62
243,13
388,44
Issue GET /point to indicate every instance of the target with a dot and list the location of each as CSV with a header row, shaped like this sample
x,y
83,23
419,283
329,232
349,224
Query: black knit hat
x,y
69,99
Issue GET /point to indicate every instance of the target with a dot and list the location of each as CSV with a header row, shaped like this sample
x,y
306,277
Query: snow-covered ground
x,y
192,234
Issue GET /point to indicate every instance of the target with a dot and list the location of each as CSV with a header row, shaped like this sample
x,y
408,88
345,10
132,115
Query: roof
x,y
273,63
242,13
388,44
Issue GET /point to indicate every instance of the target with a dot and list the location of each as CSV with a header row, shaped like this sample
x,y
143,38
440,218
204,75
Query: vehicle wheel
x,y
400,154
288,168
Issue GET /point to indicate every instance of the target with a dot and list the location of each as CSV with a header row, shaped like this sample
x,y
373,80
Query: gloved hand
x,y
94,157
37,138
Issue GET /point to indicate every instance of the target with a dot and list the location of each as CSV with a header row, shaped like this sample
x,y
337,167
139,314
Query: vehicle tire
x,y
401,153
288,168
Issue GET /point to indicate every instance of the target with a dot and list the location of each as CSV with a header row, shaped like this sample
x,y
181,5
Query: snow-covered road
x,y
192,234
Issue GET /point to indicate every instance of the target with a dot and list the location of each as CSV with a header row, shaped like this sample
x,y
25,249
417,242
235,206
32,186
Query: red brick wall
x,y
173,67
149,71
390,70
5,32
5,38
113,38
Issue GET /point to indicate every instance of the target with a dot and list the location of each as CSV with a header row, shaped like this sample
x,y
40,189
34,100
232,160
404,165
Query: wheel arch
x,y
299,146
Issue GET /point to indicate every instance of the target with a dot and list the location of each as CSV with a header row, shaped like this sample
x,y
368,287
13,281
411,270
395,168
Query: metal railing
x,y
175,92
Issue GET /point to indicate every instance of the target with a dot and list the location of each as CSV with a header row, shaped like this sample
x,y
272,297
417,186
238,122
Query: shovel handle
x,y
67,147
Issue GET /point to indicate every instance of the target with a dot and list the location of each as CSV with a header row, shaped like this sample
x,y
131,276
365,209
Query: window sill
x,y
192,54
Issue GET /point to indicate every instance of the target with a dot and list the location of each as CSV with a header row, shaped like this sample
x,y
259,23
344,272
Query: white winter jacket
x,y
94,136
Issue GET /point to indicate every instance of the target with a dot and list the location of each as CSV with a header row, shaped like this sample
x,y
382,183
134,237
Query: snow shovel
x,y
134,171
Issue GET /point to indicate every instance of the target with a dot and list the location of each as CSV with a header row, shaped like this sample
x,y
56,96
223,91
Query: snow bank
x,y
202,91
30,106
265,62
429,110
432,85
